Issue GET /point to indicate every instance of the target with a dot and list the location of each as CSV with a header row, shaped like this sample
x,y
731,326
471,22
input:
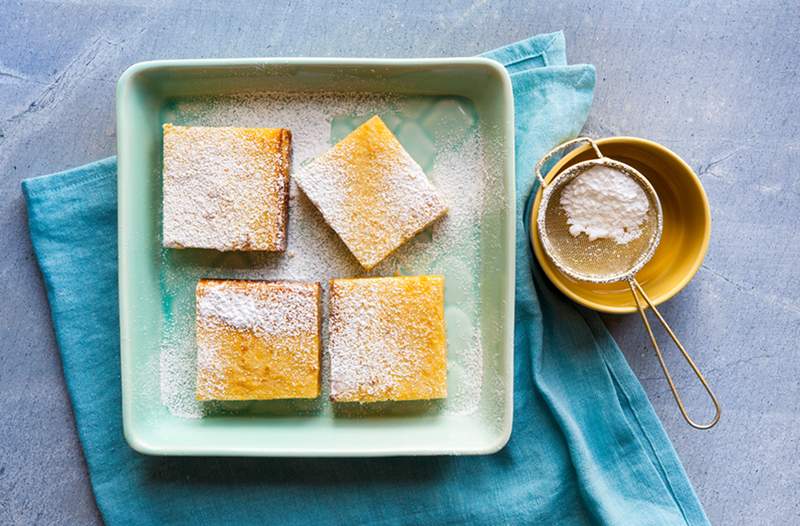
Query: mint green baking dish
x,y
143,92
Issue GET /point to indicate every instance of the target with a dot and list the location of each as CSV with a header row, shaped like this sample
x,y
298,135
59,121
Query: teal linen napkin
x,y
586,447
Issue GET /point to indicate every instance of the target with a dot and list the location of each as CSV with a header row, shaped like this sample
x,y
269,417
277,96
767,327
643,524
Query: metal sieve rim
x,y
566,176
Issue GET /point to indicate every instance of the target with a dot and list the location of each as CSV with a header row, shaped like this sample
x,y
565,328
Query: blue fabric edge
x,y
69,178
550,46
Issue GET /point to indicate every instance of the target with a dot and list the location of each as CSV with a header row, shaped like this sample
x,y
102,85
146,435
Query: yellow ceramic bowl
x,y
684,241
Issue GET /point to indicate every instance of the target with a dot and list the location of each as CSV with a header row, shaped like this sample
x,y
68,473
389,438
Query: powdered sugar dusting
x,y
284,309
383,339
178,378
276,313
458,166
225,188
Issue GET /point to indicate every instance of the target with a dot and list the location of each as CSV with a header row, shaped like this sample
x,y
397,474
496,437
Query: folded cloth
x,y
586,447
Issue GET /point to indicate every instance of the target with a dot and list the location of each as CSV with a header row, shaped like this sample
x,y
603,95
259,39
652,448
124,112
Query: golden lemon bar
x,y
386,339
371,192
226,188
257,340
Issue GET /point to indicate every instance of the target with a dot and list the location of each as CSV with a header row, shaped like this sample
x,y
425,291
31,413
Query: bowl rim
x,y
559,279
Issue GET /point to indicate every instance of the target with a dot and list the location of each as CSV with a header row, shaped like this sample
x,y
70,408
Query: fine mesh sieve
x,y
604,260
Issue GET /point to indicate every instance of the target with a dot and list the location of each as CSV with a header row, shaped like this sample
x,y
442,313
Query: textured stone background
x,y
715,81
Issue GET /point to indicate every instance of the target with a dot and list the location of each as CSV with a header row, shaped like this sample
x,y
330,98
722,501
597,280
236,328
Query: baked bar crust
x,y
386,339
257,340
371,192
226,188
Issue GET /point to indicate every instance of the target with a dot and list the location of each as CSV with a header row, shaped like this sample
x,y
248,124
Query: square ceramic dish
x,y
147,94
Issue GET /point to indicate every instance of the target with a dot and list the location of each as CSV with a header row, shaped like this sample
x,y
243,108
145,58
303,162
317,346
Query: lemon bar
x,y
226,188
257,340
386,339
371,192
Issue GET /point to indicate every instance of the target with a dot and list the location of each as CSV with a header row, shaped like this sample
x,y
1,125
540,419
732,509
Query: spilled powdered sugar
x,y
459,169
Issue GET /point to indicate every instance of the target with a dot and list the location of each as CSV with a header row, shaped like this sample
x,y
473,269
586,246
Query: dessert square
x,y
257,340
386,339
226,188
371,192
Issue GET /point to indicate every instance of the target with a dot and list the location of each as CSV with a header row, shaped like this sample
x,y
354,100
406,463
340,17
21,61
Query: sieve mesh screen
x,y
603,259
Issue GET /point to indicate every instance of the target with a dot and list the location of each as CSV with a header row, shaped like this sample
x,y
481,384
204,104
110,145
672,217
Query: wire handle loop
x,y
636,290
558,149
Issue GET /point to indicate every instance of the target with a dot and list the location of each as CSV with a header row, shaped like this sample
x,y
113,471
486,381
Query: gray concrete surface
x,y
715,81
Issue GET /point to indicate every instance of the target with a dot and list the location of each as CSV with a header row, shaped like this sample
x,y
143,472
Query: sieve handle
x,y
636,290
558,149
